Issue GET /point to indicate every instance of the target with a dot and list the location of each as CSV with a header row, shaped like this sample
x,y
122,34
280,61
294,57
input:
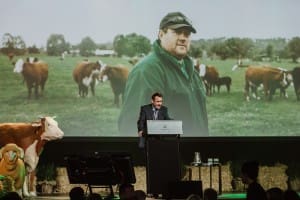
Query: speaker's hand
x,y
140,133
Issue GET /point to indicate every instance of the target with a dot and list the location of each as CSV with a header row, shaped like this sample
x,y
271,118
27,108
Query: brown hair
x,y
156,94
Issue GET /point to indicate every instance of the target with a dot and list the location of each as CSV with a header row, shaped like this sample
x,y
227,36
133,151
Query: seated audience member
x,y
126,191
249,176
11,196
76,193
210,194
140,195
290,195
94,196
194,197
274,193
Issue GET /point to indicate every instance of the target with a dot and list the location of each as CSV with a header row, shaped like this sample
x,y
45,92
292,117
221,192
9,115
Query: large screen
x,y
231,36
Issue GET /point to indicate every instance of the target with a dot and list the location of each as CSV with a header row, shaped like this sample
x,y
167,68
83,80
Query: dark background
x,y
267,150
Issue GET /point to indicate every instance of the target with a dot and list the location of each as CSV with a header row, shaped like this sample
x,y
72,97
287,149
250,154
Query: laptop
x,y
164,127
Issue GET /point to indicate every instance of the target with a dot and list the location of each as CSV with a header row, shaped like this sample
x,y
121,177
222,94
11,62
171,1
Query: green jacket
x,y
184,96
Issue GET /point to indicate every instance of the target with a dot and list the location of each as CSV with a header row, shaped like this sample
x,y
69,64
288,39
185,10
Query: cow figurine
x,y
12,165
31,137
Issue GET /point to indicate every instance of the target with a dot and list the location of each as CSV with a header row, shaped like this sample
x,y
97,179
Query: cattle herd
x,y
267,77
87,74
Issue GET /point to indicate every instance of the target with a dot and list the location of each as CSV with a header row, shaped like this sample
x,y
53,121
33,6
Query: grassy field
x,y
229,114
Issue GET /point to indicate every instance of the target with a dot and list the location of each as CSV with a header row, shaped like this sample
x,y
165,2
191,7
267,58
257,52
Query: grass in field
x,y
229,114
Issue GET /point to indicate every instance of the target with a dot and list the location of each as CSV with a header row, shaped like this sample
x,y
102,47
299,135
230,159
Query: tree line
x,y
273,48
135,45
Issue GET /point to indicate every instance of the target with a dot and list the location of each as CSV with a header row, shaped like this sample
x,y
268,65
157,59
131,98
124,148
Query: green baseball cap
x,y
175,20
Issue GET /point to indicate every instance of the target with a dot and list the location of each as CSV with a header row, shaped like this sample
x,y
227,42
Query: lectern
x,y
162,154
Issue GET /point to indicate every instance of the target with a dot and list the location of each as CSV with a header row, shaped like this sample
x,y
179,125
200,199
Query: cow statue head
x,y
51,129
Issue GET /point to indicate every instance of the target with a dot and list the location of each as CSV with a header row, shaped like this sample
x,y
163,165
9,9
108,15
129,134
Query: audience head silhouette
x,y
76,193
126,191
249,176
210,194
250,171
274,193
140,195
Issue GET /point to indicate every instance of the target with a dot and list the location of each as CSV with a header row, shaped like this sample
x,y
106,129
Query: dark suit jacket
x,y
147,113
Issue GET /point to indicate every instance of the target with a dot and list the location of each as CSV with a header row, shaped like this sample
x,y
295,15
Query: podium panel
x,y
164,127
163,165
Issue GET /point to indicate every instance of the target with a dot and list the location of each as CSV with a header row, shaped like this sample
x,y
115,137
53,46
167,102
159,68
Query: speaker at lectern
x,y
162,154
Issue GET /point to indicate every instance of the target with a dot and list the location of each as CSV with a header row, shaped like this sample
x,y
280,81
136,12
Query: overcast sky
x,y
102,20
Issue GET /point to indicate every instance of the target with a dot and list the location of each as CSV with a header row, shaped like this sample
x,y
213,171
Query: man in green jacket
x,y
167,70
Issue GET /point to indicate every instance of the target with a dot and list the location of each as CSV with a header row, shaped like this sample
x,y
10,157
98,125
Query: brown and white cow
x,y
35,74
209,75
31,137
270,78
118,76
86,75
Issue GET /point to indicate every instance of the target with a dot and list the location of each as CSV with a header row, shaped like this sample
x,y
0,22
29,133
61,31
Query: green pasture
x,y
229,114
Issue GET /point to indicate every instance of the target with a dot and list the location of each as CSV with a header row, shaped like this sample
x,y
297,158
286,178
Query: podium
x,y
162,155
